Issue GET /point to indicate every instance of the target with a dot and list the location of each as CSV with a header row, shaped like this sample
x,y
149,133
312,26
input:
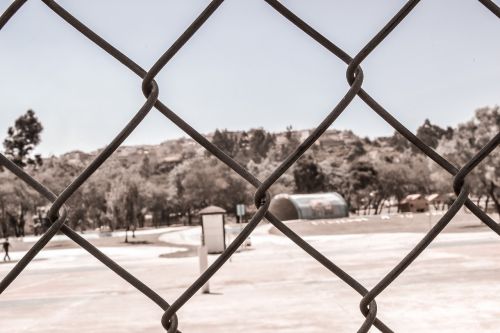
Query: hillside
x,y
171,181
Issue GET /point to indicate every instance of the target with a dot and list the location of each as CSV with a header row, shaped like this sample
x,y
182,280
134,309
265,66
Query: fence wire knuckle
x,y
58,211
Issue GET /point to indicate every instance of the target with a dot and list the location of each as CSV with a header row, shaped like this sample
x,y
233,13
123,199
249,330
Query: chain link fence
x,y
354,75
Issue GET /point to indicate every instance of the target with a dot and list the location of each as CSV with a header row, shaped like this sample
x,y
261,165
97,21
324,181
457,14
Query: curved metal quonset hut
x,y
309,206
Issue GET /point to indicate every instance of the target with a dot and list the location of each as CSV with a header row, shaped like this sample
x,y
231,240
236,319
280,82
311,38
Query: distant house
x,y
437,200
414,203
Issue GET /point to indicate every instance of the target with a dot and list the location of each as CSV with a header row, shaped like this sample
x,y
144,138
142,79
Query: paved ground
x,y
274,287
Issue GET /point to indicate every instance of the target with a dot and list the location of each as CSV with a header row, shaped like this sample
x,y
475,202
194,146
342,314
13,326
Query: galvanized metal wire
x,y
354,75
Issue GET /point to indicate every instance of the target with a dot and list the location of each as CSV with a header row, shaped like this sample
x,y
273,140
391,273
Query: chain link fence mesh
x,y
354,75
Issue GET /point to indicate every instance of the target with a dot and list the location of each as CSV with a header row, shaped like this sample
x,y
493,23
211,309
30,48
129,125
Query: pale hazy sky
x,y
246,67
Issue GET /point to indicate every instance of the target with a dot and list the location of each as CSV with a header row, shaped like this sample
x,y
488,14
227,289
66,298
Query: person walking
x,y
6,246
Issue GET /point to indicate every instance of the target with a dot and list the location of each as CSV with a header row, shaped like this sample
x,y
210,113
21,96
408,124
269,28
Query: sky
x,y
247,67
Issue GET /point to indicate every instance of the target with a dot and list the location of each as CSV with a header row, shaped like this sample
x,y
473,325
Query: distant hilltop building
x,y
309,206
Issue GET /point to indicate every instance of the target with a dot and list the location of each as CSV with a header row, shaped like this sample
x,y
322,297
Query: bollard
x,y
203,255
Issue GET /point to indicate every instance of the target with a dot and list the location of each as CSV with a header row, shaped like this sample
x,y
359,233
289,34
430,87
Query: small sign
x,y
240,209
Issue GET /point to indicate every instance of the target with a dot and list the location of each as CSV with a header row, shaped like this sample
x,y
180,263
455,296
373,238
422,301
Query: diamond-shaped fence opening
x,y
354,75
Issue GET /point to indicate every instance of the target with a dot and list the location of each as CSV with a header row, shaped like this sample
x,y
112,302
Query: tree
x,y
362,180
292,142
146,169
468,139
284,184
22,138
260,144
6,198
431,134
159,199
213,184
397,180
399,142
357,150
226,141
242,149
337,178
125,202
309,178
93,200
16,199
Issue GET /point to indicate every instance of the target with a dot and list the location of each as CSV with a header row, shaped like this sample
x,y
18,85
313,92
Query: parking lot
x,y
272,286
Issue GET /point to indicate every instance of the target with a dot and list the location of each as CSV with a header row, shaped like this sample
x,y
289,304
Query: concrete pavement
x,y
274,287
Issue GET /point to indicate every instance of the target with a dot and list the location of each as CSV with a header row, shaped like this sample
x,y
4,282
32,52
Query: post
x,y
240,212
203,255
